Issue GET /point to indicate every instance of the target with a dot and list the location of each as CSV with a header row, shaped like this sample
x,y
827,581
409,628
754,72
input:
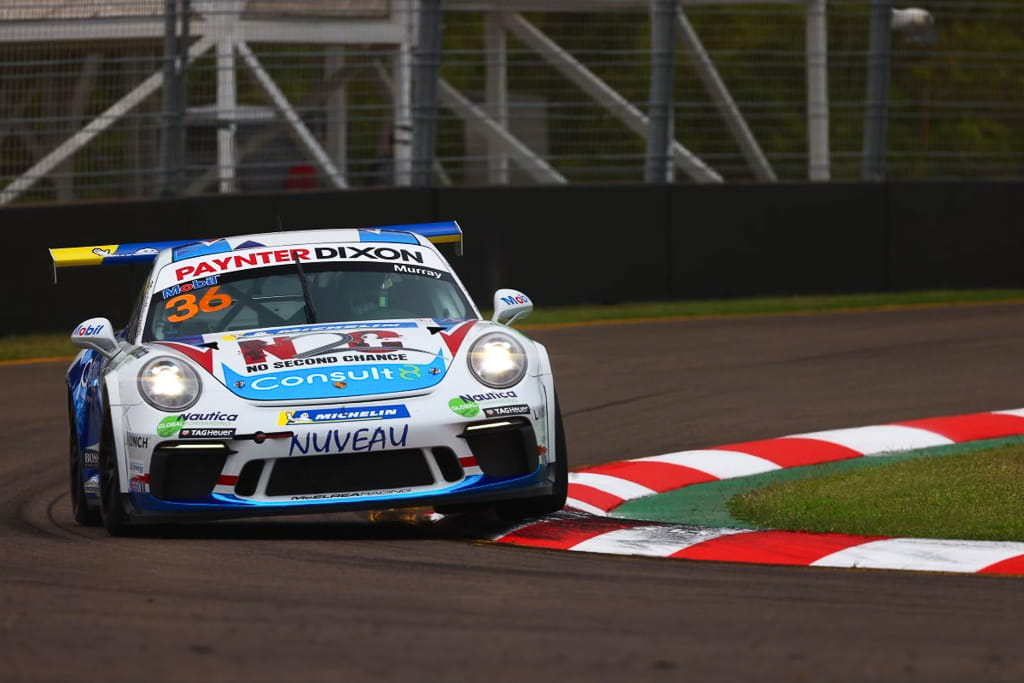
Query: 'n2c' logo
x,y
376,341
256,350
283,348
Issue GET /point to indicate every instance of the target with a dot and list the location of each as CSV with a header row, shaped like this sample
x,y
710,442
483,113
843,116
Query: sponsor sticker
x,y
470,405
92,485
419,270
515,300
298,350
323,327
237,261
185,287
507,411
339,441
489,396
172,424
206,433
464,408
354,380
90,458
298,362
356,414
377,357
88,330
86,373
351,494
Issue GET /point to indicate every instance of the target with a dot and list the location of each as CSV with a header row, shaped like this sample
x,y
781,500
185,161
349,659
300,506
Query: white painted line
x,y
585,507
623,488
1019,412
878,439
651,541
720,464
923,554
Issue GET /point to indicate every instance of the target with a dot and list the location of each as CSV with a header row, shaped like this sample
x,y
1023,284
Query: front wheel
x,y
85,514
112,504
514,510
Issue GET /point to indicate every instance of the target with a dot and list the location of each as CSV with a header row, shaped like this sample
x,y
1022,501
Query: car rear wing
x,y
444,232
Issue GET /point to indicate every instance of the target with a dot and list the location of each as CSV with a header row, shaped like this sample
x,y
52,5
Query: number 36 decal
x,y
185,305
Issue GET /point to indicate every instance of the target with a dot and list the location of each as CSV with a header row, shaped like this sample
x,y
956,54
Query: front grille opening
x,y
185,475
249,477
507,451
448,463
349,472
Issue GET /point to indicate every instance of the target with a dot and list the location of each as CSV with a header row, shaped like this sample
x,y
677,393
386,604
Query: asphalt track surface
x,y
342,598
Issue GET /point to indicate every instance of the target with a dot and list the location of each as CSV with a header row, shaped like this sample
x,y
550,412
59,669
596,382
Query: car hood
x,y
329,361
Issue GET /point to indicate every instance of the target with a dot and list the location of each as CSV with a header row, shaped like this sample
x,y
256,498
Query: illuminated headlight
x,y
168,384
497,360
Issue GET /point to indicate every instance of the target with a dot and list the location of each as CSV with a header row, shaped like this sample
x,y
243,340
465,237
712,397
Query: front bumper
x,y
284,460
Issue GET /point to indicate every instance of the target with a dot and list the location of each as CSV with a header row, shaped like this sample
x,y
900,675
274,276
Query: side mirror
x,y
510,305
98,334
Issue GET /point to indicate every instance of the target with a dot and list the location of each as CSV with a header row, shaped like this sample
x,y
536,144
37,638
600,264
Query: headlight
x,y
168,384
497,360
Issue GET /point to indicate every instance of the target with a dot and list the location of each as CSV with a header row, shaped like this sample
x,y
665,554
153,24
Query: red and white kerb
x,y
596,491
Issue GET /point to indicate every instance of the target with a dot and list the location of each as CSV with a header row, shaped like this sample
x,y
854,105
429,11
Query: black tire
x,y
515,510
84,514
112,500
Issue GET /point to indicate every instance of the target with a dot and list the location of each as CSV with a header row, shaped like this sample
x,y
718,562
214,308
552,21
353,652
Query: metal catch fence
x,y
109,99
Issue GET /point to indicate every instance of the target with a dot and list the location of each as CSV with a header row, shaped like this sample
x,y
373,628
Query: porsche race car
x,y
308,370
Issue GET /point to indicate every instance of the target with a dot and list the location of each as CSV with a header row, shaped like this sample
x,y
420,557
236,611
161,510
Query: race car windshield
x,y
279,296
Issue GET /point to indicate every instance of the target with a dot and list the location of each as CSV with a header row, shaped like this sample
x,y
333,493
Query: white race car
x,y
308,370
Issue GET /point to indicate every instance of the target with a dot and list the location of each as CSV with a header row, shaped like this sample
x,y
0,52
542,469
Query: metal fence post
x,y
183,65
424,106
169,94
658,160
818,154
172,128
876,109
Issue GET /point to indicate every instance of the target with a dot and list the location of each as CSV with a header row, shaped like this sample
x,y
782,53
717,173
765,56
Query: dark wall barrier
x,y
785,239
563,245
956,235
575,244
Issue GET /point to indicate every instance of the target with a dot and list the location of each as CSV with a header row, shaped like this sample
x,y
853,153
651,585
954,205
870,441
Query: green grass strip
x,y
28,346
978,496
709,504
767,306
57,344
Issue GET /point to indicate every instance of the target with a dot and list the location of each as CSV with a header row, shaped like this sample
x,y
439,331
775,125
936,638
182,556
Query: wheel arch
x,y
111,401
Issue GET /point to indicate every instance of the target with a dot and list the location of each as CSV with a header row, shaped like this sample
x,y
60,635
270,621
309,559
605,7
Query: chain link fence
x,y
110,99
